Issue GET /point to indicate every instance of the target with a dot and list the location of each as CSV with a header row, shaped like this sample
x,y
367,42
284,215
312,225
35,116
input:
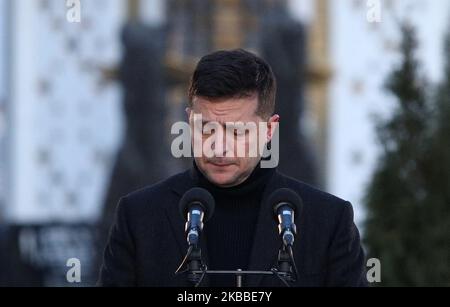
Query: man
x,y
147,241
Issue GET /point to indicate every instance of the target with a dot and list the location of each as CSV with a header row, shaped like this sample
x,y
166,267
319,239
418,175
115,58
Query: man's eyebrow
x,y
232,125
205,122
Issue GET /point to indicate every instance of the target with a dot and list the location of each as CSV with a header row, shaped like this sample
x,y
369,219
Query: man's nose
x,y
223,143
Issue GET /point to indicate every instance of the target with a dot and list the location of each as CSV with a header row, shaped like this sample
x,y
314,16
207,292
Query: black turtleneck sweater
x,y
229,234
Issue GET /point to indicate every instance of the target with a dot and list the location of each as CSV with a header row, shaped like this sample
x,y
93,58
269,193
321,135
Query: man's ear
x,y
272,124
188,112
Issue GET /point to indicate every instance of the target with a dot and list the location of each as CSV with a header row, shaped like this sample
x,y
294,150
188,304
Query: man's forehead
x,y
232,109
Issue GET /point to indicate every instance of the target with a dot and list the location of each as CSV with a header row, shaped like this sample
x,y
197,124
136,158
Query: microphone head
x,y
200,197
286,197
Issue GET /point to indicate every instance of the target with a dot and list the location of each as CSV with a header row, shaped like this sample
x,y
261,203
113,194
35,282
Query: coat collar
x,y
266,241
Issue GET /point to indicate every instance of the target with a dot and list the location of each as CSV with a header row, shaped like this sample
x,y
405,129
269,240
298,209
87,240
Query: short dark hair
x,y
235,74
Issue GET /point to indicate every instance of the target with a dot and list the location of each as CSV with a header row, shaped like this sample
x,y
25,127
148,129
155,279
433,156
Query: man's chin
x,y
222,179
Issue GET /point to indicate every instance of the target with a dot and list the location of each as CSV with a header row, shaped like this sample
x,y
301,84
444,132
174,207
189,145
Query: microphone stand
x,y
195,266
196,270
286,264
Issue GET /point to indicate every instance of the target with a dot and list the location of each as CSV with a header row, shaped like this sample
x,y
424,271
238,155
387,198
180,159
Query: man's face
x,y
225,165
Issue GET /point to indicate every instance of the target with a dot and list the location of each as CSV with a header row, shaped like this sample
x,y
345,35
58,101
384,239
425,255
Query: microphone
x,y
286,205
196,206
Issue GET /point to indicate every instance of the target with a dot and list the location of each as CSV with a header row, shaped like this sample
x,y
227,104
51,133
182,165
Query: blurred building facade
x,y
63,120
63,125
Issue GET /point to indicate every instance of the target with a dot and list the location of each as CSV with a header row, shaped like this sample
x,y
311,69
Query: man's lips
x,y
220,164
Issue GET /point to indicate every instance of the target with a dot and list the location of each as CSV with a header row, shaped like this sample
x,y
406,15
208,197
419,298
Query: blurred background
x,y
89,90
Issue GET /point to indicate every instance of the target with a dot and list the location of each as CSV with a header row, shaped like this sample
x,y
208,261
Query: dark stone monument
x,y
283,45
141,158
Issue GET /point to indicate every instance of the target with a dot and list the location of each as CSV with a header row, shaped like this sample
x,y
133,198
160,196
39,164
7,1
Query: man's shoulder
x,y
323,211
157,194
313,197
